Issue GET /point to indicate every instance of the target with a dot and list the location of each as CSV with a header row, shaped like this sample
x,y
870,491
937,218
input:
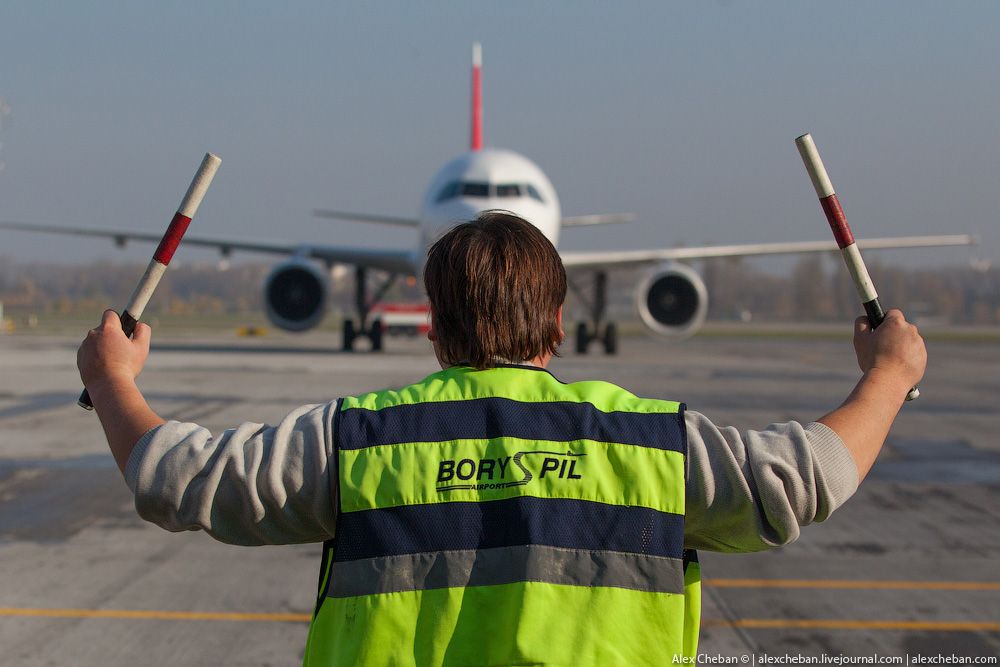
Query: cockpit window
x,y
475,189
481,189
448,192
509,190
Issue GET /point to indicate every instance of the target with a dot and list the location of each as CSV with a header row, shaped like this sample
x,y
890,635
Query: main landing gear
x,y
597,328
362,328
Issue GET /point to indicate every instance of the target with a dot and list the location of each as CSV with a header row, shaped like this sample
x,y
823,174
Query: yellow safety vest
x,y
502,517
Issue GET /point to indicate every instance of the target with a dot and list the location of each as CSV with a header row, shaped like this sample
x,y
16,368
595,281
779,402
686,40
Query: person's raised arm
x,y
109,361
254,484
892,359
753,490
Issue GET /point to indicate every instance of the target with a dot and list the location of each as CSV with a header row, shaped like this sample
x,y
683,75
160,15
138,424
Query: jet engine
x,y
672,301
295,294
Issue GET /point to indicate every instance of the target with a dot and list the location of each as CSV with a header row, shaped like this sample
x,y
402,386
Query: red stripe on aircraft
x,y
477,110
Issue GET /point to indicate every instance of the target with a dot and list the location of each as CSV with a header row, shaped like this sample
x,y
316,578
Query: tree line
x,y
814,289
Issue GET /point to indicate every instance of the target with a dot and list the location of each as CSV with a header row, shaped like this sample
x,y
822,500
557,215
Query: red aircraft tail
x,y
477,97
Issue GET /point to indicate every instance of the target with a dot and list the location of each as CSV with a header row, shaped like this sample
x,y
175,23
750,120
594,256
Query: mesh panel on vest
x,y
485,418
557,522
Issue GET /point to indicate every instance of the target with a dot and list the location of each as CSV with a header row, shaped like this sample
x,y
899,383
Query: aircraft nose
x,y
465,210
459,211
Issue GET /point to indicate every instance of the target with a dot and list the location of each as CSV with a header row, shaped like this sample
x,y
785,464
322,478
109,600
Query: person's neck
x,y
541,361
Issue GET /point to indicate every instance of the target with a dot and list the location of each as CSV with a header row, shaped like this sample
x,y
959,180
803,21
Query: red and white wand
x,y
164,252
842,233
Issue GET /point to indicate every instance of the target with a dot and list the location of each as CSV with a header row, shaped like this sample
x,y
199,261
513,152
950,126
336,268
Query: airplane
x,y
672,300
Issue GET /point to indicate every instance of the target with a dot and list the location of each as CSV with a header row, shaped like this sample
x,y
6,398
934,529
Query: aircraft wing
x,y
569,221
600,219
394,261
366,217
613,258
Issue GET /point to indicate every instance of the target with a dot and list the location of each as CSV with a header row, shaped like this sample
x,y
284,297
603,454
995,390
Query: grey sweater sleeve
x,y
254,484
752,491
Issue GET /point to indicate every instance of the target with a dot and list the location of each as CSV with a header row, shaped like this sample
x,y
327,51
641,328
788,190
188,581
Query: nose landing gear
x,y
597,329
374,330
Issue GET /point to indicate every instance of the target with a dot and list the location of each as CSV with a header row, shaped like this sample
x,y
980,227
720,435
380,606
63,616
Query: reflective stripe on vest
x,y
503,517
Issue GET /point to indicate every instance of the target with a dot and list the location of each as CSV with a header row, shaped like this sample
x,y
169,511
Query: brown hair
x,y
495,285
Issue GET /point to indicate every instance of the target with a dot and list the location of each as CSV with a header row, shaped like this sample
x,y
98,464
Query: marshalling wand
x,y
164,252
843,235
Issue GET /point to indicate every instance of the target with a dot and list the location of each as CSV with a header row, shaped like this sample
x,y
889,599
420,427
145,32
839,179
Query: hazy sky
x,y
684,113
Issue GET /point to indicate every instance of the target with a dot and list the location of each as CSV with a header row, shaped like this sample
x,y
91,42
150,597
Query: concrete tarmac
x,y
907,567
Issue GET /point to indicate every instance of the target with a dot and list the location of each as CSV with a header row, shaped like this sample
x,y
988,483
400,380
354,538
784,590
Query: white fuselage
x,y
488,179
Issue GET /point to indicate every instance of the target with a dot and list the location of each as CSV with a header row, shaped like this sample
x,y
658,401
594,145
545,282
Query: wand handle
x,y
164,252
843,235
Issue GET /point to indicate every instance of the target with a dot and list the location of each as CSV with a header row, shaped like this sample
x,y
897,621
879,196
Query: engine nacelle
x,y
295,295
672,301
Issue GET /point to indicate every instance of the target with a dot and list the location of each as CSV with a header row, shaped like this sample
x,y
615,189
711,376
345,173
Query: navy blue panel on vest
x,y
556,522
483,418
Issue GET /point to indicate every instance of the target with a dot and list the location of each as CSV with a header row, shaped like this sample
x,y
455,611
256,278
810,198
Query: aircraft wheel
x,y
582,338
610,338
349,335
375,335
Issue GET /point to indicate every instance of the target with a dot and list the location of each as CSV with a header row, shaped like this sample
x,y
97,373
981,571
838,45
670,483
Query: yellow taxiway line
x,y
749,623
852,624
855,584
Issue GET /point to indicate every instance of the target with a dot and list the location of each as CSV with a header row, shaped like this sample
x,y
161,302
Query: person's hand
x,y
895,349
108,355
